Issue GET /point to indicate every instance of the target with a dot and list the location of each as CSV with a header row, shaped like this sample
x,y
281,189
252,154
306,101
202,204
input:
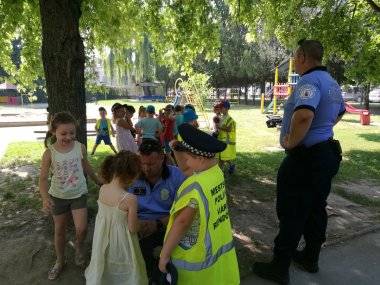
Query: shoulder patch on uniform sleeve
x,y
307,91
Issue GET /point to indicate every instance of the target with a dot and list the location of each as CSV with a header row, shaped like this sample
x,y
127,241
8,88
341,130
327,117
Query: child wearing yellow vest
x,y
227,134
198,240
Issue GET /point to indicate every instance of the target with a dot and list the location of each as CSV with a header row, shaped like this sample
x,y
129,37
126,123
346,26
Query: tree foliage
x,y
20,20
197,83
349,30
177,30
241,61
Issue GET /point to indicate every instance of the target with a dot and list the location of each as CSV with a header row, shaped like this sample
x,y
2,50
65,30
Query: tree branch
x,y
374,6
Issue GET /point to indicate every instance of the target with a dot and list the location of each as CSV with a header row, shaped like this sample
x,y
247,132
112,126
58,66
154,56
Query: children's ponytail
x,y
49,139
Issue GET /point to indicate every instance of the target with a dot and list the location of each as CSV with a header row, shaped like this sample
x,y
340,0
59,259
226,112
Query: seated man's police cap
x,y
199,142
170,277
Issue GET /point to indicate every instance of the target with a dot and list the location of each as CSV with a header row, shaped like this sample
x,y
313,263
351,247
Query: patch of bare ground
x,y
255,223
366,187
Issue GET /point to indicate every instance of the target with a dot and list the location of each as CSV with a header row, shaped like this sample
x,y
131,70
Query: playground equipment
x,y
9,94
178,92
149,89
273,121
365,117
352,110
191,97
280,90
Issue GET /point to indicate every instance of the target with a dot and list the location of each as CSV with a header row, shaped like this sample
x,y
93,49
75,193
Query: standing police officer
x,y
312,160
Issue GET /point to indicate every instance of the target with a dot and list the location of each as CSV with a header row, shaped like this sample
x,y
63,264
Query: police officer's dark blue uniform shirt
x,y
155,202
320,93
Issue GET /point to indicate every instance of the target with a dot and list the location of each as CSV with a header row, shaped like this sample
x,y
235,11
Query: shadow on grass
x,y
359,164
351,120
260,166
370,137
19,192
256,173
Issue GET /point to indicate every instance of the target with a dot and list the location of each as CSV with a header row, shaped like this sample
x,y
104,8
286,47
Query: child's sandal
x,y
55,271
79,259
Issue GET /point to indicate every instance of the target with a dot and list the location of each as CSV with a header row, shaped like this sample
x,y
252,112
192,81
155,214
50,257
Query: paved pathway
x,y
28,113
356,262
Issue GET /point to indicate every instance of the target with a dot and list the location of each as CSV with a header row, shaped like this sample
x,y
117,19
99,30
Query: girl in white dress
x,y
124,138
116,256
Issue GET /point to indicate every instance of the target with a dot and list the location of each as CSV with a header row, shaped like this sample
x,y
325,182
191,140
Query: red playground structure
x,y
365,118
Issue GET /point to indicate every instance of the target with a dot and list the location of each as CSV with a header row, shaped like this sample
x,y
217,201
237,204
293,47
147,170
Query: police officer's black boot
x,y
277,270
307,259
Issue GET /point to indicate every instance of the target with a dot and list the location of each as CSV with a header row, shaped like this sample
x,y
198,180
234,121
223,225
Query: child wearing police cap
x,y
198,240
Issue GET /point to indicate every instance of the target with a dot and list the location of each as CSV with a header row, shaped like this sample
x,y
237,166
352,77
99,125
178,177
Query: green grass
x,y
22,153
15,189
8,195
26,202
256,165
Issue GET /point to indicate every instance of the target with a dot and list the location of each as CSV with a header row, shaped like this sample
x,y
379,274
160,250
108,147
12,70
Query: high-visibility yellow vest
x,y
229,138
97,125
212,260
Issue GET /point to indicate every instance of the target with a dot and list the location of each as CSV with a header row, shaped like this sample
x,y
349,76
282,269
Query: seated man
x,y
155,191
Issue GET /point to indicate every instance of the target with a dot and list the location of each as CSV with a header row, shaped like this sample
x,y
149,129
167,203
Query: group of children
x,y
162,127
116,257
125,132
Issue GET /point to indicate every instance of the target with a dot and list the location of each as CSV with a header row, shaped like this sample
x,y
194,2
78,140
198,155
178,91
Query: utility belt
x,y
304,151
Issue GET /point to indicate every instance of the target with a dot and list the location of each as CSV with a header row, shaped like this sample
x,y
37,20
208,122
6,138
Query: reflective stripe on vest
x,y
210,259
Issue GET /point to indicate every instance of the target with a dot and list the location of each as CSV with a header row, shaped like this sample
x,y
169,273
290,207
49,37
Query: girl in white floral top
x,y
66,159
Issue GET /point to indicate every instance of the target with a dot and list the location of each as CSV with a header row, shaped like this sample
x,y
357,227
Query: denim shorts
x,y
105,138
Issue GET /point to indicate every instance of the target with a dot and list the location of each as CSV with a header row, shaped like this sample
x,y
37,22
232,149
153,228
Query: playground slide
x,y
269,108
177,91
352,110
177,100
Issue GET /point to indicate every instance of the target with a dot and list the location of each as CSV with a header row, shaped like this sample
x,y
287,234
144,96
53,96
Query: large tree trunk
x,y
63,59
246,96
366,89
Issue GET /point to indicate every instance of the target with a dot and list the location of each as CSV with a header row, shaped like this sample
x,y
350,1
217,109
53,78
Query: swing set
x,y
280,90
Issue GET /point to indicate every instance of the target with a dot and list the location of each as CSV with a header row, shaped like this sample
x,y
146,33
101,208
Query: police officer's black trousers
x,y
148,245
303,185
